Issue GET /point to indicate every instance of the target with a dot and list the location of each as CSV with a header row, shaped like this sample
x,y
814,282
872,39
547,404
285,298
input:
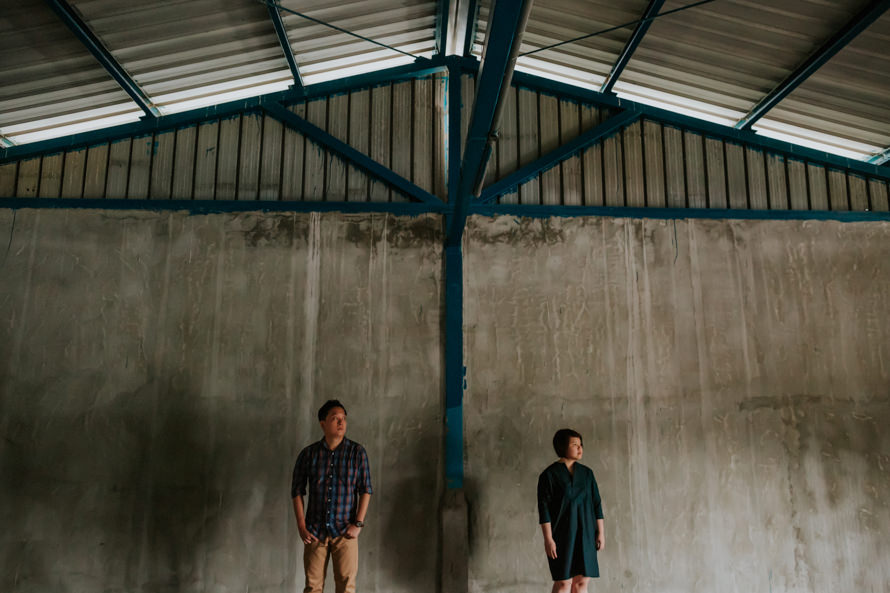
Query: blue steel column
x,y
454,301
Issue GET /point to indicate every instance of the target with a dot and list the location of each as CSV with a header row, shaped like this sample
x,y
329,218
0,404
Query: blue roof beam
x,y
590,137
872,12
350,154
281,31
631,46
506,26
86,36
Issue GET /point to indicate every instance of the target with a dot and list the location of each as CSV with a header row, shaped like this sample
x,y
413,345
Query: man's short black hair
x,y
327,407
561,440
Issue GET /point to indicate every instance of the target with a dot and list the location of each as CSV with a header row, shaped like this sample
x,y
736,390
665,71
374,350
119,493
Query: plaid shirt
x,y
335,479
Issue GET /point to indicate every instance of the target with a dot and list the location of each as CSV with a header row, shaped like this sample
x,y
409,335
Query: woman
x,y
571,516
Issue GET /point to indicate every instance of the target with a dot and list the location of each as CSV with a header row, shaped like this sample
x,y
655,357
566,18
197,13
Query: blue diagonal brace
x,y
350,154
561,153
631,46
281,31
504,34
837,42
86,36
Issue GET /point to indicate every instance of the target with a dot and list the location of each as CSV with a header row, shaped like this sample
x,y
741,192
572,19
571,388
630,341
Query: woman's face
x,y
575,449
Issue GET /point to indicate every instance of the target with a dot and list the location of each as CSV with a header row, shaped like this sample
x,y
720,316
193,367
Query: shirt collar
x,y
324,444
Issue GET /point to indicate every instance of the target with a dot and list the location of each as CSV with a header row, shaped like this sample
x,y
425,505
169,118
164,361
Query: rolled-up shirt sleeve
x,y
363,481
301,475
545,493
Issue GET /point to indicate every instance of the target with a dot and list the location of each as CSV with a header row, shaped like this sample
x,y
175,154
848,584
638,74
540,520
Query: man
x,y
339,478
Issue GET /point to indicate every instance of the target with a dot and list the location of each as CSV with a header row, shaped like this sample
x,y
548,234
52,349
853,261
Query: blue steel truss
x,y
86,36
504,34
419,69
837,42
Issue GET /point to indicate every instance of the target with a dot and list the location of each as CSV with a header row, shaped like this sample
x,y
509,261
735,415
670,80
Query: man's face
x,y
334,425
575,449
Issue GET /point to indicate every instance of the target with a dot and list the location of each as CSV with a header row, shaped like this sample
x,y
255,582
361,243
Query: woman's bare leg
x,y
579,584
562,586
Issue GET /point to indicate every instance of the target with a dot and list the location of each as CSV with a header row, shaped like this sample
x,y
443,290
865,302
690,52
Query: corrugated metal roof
x,y
717,60
714,60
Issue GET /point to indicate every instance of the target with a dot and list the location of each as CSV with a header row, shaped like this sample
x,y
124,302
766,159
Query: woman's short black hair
x,y
561,440
327,407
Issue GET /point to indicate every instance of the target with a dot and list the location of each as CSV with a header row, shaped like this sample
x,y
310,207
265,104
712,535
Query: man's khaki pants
x,y
343,552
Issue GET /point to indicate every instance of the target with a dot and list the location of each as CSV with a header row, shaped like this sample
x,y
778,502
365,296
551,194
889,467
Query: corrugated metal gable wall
x,y
650,164
402,126
255,157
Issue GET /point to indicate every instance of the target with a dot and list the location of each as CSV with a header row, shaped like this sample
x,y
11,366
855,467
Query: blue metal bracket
x,y
6,142
281,31
631,46
881,158
353,156
838,41
504,32
83,32
561,153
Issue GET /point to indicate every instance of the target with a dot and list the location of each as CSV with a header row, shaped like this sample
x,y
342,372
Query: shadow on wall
x,y
410,508
119,492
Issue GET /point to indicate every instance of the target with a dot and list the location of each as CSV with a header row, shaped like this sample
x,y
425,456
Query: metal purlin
x,y
281,32
86,36
631,46
836,43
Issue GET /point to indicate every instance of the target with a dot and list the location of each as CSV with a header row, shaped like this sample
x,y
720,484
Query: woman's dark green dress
x,y
571,504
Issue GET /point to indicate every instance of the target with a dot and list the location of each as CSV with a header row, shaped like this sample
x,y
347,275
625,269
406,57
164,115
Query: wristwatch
x,y
359,523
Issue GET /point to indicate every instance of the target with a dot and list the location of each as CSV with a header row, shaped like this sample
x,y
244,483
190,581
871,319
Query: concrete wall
x,y
159,373
731,379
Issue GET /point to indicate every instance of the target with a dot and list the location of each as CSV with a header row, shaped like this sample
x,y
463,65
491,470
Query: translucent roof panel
x,y
50,84
717,60
325,53
185,54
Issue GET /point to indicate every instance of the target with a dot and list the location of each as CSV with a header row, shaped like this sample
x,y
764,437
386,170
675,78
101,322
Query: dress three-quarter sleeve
x,y
597,501
545,495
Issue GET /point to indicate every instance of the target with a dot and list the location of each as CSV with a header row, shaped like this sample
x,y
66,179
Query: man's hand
x,y
306,536
600,541
550,548
352,531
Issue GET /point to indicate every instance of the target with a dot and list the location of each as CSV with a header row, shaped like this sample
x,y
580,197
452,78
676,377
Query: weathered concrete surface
x,y
159,373
732,380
